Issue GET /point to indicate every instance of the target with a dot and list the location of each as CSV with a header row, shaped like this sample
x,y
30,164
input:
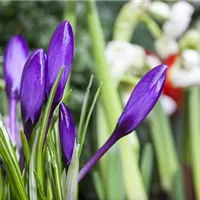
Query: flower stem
x,y
87,167
12,118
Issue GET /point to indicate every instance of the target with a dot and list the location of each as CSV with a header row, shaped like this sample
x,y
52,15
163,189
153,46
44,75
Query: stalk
x,y
112,107
194,129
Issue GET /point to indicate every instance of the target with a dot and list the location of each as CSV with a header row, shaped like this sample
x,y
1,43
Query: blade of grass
x,y
25,147
72,175
82,136
39,155
147,166
194,130
83,110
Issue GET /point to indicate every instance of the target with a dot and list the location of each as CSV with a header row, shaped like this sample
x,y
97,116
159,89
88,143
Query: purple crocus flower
x,y
60,53
15,56
67,131
32,91
141,102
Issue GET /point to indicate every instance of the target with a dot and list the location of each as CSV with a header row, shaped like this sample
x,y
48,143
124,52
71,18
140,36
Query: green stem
x,y
194,127
169,168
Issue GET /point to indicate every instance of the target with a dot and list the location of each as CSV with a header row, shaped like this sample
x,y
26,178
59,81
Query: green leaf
x,y
1,183
32,164
25,147
147,166
56,112
10,160
169,167
39,188
56,169
63,181
83,133
39,154
98,185
194,136
83,111
72,175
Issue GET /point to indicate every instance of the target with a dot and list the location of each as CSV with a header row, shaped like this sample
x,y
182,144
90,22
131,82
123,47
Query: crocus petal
x,y
60,53
67,131
142,100
33,86
15,56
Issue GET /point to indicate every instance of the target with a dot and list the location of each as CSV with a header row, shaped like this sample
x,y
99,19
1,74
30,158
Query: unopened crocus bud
x,y
67,131
141,102
33,87
15,56
60,53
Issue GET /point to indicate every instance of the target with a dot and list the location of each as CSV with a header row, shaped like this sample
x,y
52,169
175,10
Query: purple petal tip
x,y
60,53
67,131
142,100
33,86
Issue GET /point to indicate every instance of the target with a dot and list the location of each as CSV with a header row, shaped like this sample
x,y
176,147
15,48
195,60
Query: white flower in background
x,y
179,20
168,104
190,59
189,73
191,39
152,60
159,10
166,46
123,57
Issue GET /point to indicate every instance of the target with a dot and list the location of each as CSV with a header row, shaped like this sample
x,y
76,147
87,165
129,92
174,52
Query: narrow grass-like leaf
x,y
25,147
98,185
64,181
147,166
1,183
39,155
72,175
56,170
39,188
50,173
32,180
56,112
169,168
83,133
194,136
11,162
5,191
83,110
49,190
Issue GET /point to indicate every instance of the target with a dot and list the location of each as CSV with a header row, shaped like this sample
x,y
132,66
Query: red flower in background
x,y
175,93
169,89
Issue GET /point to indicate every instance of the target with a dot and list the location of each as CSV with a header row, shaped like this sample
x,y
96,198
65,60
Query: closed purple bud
x,y
33,86
67,131
142,100
15,56
60,53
